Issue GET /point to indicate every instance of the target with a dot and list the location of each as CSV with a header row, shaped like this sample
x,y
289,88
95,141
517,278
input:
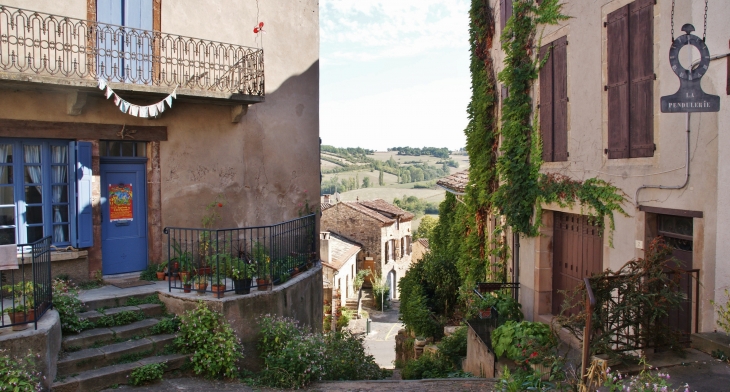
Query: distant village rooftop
x,y
341,249
455,183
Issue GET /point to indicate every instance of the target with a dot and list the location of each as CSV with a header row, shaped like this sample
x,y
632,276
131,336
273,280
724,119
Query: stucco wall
x,y
587,137
479,360
264,165
300,298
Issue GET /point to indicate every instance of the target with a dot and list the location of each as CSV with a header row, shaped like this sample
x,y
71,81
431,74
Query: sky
x,y
394,73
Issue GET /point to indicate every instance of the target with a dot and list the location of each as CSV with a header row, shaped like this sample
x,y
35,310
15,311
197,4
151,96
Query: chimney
x,y
324,247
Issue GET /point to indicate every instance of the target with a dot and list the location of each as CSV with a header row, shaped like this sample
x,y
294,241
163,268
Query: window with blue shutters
x,y
38,191
127,54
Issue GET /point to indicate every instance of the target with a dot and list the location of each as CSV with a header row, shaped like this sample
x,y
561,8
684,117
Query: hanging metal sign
x,y
689,97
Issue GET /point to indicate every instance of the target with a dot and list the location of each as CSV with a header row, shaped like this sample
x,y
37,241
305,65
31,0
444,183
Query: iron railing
x,y
509,288
26,293
240,258
38,43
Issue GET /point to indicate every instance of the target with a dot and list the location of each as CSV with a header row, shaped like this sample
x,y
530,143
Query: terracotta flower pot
x,y
160,276
218,290
262,284
186,288
22,320
201,287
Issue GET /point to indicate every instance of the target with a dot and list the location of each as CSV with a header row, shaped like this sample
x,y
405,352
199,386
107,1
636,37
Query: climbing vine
x,y
523,188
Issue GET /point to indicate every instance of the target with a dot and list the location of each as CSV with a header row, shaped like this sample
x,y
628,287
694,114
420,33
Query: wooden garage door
x,y
577,253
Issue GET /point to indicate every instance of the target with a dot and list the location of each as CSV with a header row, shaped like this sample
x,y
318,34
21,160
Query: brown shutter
x,y
387,251
641,70
546,103
618,83
560,100
502,14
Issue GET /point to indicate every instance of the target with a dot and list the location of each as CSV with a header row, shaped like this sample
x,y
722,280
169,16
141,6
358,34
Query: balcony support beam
x,y
237,113
75,102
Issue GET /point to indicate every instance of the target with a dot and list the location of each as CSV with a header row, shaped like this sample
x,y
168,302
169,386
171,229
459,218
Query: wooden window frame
x,y
554,101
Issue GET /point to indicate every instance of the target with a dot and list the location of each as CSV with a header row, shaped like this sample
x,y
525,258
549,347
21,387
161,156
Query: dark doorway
x,y
677,232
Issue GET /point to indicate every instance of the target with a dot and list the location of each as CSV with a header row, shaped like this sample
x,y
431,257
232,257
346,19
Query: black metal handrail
x,y
26,293
239,258
39,43
507,287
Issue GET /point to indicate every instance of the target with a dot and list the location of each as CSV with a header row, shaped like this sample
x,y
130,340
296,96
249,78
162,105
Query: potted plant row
x,y
23,310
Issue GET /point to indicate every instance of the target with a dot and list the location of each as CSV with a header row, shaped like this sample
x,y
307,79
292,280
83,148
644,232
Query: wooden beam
x,y
85,131
672,211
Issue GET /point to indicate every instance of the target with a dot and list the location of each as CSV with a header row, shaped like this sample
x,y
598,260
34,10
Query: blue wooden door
x,y
123,217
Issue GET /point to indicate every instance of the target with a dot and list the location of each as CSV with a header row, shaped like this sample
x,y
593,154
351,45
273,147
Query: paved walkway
x,y
380,343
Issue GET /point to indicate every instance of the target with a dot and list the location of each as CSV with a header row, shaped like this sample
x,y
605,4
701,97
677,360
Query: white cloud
x,y
367,30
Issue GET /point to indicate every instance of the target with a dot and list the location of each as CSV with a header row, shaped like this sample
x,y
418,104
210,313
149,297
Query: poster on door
x,y
120,202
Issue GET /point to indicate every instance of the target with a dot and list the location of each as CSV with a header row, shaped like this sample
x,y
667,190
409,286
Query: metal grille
x,y
26,292
44,44
273,254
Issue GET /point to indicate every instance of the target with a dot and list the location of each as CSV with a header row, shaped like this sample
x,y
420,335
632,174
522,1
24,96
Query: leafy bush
x,y
19,374
507,307
417,316
121,318
295,358
723,313
431,365
168,325
453,346
645,381
344,318
149,274
525,341
211,340
147,373
66,302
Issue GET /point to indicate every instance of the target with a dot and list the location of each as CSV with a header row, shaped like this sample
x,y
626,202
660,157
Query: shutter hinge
x,y
654,146
566,43
655,76
538,106
567,154
567,99
605,151
605,24
605,88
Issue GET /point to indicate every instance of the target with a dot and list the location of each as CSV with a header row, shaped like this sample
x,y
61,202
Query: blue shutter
x,y
138,14
84,220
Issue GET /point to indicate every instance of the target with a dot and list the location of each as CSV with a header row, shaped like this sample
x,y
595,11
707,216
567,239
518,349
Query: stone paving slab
x,y
78,361
138,328
88,338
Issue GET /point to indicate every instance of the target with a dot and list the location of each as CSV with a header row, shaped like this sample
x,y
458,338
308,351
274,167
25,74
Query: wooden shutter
x,y
546,103
505,12
641,71
84,219
387,251
560,100
617,35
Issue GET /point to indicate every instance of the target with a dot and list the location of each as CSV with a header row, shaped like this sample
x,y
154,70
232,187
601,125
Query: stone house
x,y
184,121
339,256
419,249
598,102
384,231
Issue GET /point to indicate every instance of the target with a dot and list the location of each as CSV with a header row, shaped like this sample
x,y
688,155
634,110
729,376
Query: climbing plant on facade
x,y
523,189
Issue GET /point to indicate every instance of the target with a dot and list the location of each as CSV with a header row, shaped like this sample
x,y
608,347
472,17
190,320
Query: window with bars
x,y
630,82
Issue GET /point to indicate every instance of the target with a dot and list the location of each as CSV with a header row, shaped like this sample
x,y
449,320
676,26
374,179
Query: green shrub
x,y
19,374
121,318
344,319
149,274
723,313
211,340
453,346
147,373
67,304
294,358
525,341
168,325
507,307
431,365
417,316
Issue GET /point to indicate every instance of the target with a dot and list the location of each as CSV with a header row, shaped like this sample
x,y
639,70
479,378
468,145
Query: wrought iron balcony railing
x,y
44,44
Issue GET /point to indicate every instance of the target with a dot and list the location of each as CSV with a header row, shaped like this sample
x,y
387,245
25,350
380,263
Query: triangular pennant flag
x,y
153,110
174,93
144,111
117,100
109,92
168,99
133,110
102,84
160,106
123,106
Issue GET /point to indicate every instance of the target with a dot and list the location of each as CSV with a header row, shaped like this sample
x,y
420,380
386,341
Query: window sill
x,y
57,256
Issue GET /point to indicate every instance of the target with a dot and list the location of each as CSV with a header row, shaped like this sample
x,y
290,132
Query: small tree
x,y
357,282
366,182
425,228
380,292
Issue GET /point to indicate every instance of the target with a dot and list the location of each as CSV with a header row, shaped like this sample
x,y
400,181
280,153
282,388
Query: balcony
x,y
45,51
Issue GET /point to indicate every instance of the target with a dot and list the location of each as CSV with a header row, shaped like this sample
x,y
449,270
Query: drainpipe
x,y
686,174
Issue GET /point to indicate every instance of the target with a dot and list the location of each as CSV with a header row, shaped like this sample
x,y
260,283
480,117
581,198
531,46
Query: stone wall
x,y
479,360
300,298
355,226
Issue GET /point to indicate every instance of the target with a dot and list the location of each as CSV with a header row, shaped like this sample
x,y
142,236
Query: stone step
x,y
113,302
95,358
105,377
150,310
97,336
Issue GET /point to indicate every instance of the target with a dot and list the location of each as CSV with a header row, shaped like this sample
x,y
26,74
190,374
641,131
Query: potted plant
x,y
201,283
161,269
217,285
23,310
183,259
241,273
263,273
186,281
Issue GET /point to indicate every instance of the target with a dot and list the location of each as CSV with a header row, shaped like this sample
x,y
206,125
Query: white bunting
x,y
135,110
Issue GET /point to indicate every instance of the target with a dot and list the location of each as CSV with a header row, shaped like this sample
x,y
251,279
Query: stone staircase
x,y
103,357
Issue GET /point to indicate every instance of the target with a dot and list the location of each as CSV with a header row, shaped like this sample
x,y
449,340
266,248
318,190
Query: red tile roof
x,y
423,241
387,209
455,183
341,250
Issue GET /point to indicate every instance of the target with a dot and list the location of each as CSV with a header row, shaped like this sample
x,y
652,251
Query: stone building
x,y
598,104
339,257
185,120
384,231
